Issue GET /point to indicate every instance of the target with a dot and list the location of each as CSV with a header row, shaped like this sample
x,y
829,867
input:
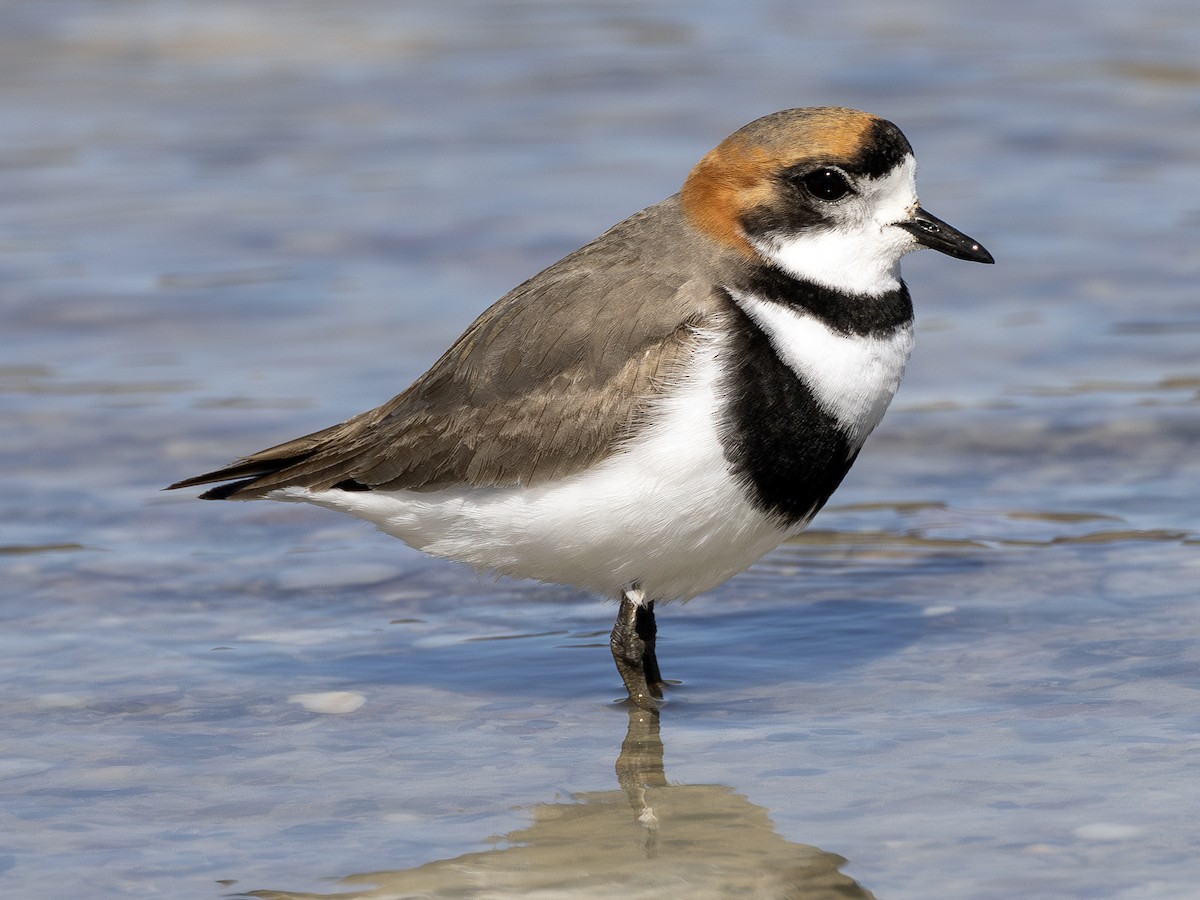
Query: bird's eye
x,y
826,184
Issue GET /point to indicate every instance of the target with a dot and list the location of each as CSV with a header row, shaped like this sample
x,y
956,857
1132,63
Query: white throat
x,y
861,253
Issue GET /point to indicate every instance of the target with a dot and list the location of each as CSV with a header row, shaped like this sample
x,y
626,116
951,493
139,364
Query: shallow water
x,y
227,224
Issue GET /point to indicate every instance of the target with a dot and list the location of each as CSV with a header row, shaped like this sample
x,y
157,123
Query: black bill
x,y
937,235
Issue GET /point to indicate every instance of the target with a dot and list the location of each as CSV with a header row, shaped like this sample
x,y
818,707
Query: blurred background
x,y
226,224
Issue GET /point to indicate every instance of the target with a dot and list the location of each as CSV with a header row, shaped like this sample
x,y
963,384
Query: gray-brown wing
x,y
545,383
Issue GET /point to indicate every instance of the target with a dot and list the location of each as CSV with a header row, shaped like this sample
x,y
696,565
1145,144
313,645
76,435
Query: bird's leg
x,y
647,630
632,642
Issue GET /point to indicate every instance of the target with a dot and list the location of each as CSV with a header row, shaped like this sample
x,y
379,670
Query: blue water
x,y
223,225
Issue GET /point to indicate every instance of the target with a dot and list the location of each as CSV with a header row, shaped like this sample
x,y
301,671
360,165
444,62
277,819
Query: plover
x,y
653,413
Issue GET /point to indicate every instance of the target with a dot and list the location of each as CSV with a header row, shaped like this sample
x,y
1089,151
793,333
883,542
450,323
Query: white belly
x,y
664,513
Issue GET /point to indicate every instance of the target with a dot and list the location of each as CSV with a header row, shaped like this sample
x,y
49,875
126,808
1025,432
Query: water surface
x,y
224,225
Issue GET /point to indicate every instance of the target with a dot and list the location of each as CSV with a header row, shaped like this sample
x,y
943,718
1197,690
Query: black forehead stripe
x,y
884,148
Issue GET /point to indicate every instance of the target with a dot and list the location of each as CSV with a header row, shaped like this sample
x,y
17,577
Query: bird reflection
x,y
694,841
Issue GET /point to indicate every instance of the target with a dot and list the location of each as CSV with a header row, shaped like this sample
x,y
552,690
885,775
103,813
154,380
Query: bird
x,y
653,413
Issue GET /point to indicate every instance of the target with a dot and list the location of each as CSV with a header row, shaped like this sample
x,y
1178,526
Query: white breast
x,y
853,377
663,513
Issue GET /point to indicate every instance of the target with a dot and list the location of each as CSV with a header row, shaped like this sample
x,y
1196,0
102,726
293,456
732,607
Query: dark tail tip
x,y
225,491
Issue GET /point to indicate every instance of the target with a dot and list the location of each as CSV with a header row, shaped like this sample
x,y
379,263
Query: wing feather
x,y
549,380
